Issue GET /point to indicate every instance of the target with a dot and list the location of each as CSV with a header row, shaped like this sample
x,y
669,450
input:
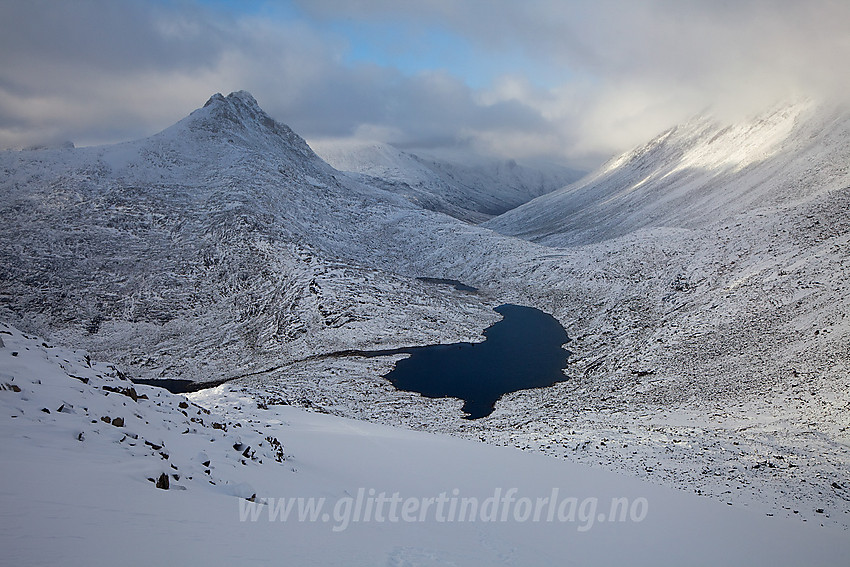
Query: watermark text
x,y
504,505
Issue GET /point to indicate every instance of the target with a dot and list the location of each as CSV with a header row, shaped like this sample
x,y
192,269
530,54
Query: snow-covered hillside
x,y
473,191
98,471
710,351
695,175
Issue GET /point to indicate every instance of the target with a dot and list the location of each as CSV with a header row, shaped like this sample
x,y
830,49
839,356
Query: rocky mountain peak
x,y
238,116
236,109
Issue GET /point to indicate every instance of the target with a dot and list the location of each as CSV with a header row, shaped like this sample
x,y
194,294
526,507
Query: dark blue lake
x,y
524,350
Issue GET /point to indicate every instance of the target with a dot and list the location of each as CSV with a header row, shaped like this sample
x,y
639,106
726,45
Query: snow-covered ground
x,y
702,279
80,490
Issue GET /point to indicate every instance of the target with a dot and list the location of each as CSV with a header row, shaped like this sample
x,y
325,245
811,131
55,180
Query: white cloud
x,y
629,61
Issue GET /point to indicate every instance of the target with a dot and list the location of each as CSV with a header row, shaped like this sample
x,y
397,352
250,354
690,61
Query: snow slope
x,y
473,191
695,175
76,488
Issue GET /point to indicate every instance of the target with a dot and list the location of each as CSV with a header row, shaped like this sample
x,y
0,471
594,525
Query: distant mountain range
x,y
474,190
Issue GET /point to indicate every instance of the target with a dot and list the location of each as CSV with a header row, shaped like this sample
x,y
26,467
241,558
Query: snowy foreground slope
x,y
77,489
710,351
473,191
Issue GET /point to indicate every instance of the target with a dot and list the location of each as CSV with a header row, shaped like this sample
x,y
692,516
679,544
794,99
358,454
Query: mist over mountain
x,y
474,189
697,174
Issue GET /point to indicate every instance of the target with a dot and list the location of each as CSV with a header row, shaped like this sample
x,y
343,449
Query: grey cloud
x,y
426,109
113,36
97,70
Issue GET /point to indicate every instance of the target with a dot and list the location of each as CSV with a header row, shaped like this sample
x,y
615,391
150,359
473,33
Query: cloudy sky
x,y
568,80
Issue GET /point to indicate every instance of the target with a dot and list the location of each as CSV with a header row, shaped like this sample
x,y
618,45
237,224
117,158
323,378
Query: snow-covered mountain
x,y
473,191
194,252
709,334
696,175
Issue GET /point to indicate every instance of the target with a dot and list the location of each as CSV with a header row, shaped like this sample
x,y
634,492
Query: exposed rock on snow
x,y
57,394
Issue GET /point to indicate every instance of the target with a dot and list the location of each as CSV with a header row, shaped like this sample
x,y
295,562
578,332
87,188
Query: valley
x,y
701,279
